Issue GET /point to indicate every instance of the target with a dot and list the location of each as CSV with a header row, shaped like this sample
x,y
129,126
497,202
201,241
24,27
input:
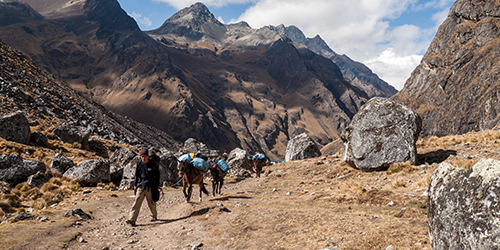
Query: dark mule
x,y
190,177
217,178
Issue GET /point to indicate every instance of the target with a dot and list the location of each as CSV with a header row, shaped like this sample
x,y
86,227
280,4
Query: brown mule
x,y
217,178
190,177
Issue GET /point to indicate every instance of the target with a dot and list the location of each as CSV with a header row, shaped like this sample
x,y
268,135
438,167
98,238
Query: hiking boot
x,y
132,223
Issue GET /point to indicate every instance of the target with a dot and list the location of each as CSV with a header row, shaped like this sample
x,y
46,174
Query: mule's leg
x,y
214,187
190,190
221,182
184,185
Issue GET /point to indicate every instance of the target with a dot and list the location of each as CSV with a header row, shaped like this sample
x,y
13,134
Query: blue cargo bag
x,y
185,157
258,156
223,165
200,164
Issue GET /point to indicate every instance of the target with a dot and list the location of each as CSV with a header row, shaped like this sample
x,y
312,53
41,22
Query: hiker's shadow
x,y
194,213
437,156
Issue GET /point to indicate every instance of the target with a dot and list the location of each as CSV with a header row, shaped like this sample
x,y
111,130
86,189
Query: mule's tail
x,y
204,190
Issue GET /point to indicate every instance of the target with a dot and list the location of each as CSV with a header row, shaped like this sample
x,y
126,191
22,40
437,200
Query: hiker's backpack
x,y
223,165
185,157
200,164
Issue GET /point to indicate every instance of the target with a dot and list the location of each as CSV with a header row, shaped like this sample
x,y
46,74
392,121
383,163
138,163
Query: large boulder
x,y
168,169
301,147
238,159
127,181
90,172
192,146
382,132
14,169
98,147
61,163
38,139
464,206
38,179
71,134
118,160
15,127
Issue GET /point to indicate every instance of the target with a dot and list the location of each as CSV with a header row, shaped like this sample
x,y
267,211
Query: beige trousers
x,y
139,197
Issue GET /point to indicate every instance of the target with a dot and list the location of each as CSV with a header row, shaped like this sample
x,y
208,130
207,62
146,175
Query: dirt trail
x,y
180,224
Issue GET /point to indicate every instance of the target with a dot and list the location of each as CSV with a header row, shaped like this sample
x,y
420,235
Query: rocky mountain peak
x,y
194,23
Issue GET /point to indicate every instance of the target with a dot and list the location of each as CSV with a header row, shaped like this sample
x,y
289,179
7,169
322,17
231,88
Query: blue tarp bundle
x,y
223,165
258,156
185,157
200,164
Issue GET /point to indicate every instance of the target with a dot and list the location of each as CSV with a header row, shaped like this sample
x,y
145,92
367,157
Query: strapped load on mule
x,y
258,156
223,165
185,157
200,164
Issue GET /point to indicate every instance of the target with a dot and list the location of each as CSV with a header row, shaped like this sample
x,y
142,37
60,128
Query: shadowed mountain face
x,y
225,85
50,104
455,88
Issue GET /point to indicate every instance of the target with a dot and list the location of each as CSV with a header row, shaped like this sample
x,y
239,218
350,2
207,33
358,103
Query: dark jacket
x,y
147,174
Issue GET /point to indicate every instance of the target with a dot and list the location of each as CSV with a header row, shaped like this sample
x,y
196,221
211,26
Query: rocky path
x,y
180,225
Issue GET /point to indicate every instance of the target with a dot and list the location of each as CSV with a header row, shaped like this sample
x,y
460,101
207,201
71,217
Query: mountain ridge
x,y
249,88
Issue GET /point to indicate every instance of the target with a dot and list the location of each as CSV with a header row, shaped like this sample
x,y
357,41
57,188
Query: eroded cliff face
x,y
455,88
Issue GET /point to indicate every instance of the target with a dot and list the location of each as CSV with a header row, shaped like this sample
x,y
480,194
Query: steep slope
x,y
357,73
49,104
455,88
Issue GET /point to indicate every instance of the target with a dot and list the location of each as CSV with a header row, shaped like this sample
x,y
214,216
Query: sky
x,y
388,36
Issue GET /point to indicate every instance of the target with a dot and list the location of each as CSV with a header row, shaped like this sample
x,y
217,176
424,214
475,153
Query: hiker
x,y
225,155
147,178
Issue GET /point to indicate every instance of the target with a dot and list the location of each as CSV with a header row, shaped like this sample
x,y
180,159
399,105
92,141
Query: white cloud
x,y
394,68
179,4
140,19
220,19
358,28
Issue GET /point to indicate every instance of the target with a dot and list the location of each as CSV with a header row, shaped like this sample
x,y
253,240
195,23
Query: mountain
x,y
225,85
455,88
357,73
51,104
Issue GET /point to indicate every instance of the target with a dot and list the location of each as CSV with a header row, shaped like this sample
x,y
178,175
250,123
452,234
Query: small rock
x,y
391,203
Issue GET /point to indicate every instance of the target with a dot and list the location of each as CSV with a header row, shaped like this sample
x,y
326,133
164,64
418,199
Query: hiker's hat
x,y
144,151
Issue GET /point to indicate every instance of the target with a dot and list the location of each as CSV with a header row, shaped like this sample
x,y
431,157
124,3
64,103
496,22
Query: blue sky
x,y
389,36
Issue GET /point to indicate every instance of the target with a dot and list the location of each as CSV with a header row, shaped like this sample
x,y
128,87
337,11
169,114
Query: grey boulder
x,y
61,163
14,169
382,132
90,172
464,206
118,160
127,181
71,134
168,169
301,147
237,159
15,127
38,179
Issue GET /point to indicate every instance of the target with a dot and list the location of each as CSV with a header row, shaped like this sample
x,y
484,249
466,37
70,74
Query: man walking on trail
x,y
147,177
